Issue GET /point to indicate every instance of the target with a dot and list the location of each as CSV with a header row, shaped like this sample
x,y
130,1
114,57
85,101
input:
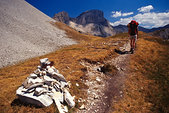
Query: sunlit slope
x,y
25,32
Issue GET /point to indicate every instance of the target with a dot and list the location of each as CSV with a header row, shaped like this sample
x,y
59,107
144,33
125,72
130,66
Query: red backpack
x,y
133,27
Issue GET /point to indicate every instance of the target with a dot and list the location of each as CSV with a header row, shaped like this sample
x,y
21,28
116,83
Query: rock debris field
x,y
25,32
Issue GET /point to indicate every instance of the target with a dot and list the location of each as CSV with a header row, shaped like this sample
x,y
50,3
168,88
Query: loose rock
x,y
45,85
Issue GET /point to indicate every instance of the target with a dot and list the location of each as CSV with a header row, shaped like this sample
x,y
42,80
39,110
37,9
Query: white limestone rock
x,y
42,100
45,85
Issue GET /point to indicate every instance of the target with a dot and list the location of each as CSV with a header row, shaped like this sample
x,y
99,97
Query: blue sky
x,y
149,13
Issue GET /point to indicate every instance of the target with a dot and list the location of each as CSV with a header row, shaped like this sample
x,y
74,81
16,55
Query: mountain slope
x,y
89,22
162,32
25,32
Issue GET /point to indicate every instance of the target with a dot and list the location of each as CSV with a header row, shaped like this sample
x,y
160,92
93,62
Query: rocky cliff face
x,y
92,16
62,17
89,22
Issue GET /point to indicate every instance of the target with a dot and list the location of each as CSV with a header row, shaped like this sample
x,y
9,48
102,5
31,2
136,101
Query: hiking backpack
x,y
133,27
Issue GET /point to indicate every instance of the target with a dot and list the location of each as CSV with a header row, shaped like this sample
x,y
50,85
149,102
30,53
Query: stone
x,y
80,100
82,107
45,85
33,76
41,101
77,84
98,79
58,76
68,98
96,97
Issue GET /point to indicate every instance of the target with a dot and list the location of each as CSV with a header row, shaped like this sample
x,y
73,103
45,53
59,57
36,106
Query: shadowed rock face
x,y
89,22
62,17
92,16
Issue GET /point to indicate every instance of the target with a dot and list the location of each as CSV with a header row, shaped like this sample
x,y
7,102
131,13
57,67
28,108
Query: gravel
x,y
25,32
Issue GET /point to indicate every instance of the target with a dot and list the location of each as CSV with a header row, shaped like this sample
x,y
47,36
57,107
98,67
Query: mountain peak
x,y
62,17
90,22
92,16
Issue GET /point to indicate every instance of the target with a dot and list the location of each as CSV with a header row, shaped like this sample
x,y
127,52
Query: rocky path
x,y
104,90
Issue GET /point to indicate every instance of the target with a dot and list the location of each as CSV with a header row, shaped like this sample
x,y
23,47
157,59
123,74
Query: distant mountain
x,y
92,16
120,29
123,28
89,22
93,22
159,28
163,32
153,29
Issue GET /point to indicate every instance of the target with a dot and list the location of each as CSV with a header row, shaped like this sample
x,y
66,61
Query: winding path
x,y
105,90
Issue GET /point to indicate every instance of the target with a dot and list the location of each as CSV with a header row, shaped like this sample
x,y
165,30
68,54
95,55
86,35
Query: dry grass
x,y
67,61
147,84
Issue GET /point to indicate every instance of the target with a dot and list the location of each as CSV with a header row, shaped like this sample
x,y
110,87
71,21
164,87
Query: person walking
x,y
133,34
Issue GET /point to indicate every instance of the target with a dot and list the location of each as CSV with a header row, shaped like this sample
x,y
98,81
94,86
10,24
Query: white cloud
x,y
147,20
127,14
119,14
145,9
116,14
122,21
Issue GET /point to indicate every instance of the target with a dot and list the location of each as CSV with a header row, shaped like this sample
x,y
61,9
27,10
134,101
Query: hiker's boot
x,y
132,51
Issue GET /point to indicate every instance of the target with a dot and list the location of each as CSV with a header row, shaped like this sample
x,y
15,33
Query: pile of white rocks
x,y
44,86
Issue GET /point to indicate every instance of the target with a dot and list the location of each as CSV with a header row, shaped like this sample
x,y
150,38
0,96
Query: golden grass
x,y
147,84
67,61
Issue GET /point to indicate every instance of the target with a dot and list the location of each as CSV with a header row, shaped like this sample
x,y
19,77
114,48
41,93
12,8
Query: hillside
x,y
163,33
128,82
25,32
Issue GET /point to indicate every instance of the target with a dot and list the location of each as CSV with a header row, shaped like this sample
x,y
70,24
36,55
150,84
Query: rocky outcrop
x,y
92,16
89,22
62,17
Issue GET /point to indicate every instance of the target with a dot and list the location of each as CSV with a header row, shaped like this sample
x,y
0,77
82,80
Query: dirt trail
x,y
104,90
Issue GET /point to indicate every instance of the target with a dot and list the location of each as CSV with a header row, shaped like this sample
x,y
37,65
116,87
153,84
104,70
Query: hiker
x,y
133,34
